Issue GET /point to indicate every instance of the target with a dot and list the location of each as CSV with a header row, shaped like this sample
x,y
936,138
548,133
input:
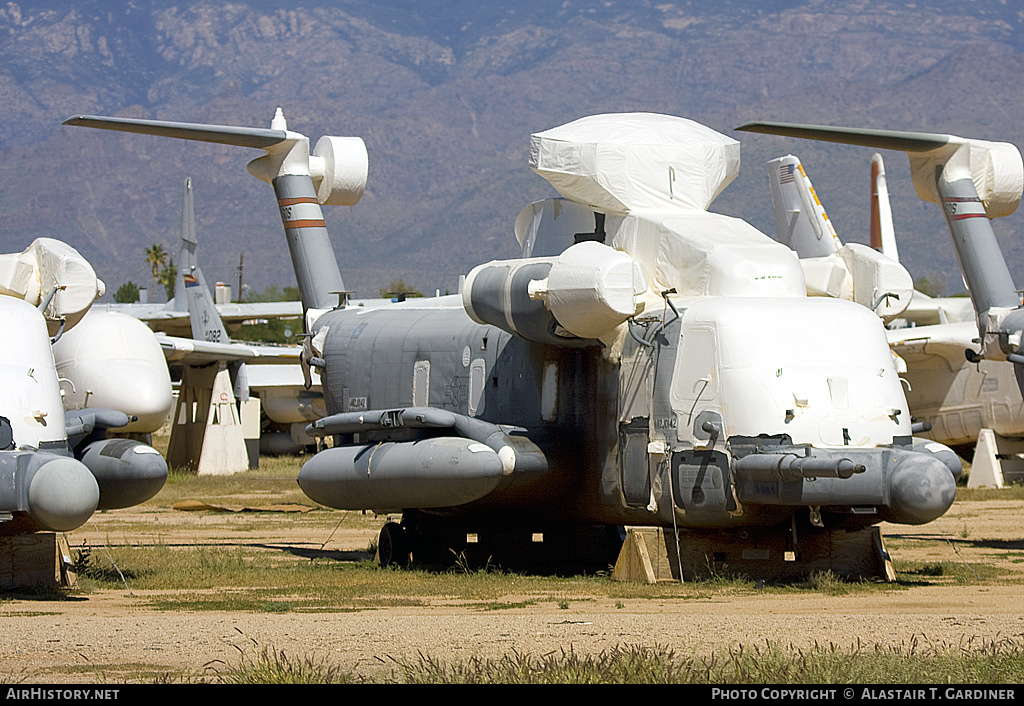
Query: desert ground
x,y
115,632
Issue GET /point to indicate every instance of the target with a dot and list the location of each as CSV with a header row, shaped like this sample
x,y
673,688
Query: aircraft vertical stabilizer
x,y
883,234
800,219
206,322
973,181
831,269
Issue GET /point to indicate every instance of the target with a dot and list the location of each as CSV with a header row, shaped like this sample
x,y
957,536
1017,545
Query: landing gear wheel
x,y
392,546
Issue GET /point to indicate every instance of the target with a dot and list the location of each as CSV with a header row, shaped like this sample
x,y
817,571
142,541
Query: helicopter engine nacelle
x,y
574,299
45,492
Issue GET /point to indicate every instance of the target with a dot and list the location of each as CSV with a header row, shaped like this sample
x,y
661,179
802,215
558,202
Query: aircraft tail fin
x,y
883,234
973,181
334,174
800,219
202,312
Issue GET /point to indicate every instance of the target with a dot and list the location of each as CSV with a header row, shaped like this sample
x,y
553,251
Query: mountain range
x,y
446,94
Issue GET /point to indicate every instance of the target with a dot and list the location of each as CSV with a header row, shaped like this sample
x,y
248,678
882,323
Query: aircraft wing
x,y
164,318
190,351
925,311
947,341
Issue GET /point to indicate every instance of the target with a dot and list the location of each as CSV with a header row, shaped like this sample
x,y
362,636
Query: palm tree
x,y
156,257
168,278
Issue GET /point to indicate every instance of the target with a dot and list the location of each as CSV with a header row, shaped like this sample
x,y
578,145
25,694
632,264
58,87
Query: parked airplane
x,y
951,399
852,271
274,375
664,368
172,319
57,468
112,360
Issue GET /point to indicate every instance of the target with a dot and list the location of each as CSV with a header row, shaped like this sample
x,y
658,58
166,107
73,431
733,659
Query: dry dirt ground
x,y
104,635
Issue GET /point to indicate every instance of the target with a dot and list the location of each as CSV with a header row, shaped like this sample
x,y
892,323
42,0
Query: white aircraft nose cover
x,y
625,162
29,394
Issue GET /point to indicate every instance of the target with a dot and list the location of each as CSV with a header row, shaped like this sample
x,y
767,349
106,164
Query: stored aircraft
x,y
953,392
57,467
172,318
270,372
660,366
111,359
851,271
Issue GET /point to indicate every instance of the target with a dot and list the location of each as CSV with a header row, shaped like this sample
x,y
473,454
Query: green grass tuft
x,y
917,662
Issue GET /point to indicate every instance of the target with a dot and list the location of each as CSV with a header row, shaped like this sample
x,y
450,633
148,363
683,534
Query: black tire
x,y
392,546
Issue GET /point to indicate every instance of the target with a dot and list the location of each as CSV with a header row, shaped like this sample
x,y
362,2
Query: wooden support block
x,y
634,562
767,554
38,560
883,555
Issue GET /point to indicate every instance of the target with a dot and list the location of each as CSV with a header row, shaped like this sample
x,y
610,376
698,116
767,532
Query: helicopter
x,y
646,362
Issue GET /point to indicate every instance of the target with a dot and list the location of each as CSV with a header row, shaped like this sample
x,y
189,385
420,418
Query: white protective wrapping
x,y
624,162
860,274
113,360
707,254
827,277
879,282
653,177
995,168
46,264
805,367
30,396
345,167
591,289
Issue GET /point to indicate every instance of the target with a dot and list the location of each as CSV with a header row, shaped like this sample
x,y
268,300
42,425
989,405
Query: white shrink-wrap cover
x,y
650,178
591,289
995,168
345,168
879,282
622,162
707,254
862,275
46,265
30,396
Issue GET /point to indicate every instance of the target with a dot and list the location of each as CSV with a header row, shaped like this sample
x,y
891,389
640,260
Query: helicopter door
x,y
694,392
636,381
